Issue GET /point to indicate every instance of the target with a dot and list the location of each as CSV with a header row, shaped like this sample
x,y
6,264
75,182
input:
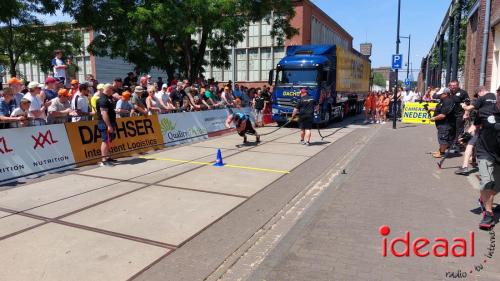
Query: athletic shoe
x,y
105,164
481,204
437,154
462,171
308,144
302,142
112,160
488,221
371,122
366,122
383,122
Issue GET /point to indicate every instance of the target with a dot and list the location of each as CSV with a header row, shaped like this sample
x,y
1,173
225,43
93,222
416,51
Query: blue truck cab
x,y
316,68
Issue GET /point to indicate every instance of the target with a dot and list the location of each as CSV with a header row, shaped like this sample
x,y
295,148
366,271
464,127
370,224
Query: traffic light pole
x,y
395,100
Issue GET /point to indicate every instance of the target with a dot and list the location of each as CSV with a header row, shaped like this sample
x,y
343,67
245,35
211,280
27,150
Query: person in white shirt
x,y
163,98
37,107
22,113
408,96
80,104
59,67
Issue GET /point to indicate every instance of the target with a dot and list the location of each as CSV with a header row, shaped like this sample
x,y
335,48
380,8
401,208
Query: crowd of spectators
x,y
65,99
380,105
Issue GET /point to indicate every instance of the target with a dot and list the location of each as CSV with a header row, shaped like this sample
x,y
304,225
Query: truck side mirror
x,y
271,77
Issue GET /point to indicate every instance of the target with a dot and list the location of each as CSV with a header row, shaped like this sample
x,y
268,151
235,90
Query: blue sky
x,y
375,21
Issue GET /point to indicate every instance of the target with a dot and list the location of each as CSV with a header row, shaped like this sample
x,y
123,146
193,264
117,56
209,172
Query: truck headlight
x,y
275,111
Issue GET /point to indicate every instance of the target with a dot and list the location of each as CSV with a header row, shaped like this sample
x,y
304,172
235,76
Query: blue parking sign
x,y
407,82
397,61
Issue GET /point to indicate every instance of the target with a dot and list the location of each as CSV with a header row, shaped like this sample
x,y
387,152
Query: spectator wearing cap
x,y
59,67
80,104
71,68
16,86
74,88
7,106
21,113
49,92
163,98
60,108
37,107
444,117
136,101
123,106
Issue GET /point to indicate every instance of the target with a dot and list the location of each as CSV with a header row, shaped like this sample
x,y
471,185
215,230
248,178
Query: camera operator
x,y
488,151
444,117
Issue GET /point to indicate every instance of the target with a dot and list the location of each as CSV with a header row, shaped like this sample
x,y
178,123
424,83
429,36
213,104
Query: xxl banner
x,y
33,150
418,113
133,135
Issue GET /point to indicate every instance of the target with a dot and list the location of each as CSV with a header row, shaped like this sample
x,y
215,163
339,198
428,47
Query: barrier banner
x,y
185,127
32,150
416,113
133,135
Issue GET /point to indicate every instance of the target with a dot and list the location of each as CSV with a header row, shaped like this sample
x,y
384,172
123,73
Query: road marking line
x,y
225,165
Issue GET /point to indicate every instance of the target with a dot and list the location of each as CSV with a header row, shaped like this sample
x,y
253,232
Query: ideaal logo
x,y
43,139
460,247
4,149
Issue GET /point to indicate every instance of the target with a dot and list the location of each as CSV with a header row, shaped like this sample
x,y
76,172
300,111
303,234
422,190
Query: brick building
x,y
474,47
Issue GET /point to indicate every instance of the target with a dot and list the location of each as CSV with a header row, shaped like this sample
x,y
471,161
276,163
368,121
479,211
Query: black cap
x,y
118,79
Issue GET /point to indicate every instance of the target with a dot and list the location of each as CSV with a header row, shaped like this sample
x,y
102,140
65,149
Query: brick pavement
x,y
392,182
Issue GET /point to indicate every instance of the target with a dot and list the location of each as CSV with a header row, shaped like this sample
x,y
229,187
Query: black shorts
x,y
103,130
306,123
446,134
248,129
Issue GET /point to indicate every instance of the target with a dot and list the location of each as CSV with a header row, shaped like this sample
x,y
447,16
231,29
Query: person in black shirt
x,y
305,108
444,116
488,151
259,103
107,123
459,96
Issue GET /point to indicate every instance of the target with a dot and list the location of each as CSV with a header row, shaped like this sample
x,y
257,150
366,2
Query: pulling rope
x,y
334,132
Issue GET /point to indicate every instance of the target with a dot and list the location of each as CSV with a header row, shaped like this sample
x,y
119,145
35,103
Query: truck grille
x,y
287,103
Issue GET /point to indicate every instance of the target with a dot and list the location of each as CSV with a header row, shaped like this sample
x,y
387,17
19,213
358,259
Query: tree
x,y
23,36
174,35
378,79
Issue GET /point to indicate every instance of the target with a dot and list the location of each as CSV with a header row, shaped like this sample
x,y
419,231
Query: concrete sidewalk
x,y
393,182
115,223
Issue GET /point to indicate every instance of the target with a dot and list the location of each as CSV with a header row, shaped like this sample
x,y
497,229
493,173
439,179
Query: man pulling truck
x,y
243,125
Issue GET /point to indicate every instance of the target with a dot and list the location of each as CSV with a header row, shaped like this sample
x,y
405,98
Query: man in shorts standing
x,y
488,153
444,117
107,123
305,108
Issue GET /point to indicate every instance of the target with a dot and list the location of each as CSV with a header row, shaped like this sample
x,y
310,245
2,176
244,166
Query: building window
x,y
279,53
241,65
266,34
228,73
253,62
253,35
267,62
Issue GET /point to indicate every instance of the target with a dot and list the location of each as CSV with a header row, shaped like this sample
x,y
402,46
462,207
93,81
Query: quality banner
x,y
185,127
33,150
418,113
133,135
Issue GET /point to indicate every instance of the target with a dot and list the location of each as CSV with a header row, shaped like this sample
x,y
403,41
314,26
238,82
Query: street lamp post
x,y
395,100
409,48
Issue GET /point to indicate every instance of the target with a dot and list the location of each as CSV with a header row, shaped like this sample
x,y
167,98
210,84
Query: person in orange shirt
x,y
380,107
373,107
74,88
368,108
387,101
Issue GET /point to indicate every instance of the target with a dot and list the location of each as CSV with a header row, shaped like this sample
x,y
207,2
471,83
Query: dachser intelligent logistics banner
x,y
418,113
133,135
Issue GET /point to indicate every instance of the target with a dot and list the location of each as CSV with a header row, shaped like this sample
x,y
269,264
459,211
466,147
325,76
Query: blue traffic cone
x,y
218,160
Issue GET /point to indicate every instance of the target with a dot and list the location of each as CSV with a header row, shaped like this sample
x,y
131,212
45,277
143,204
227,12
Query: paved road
x,y
392,182
168,215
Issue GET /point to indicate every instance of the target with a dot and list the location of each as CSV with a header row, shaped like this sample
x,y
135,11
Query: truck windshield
x,y
297,77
